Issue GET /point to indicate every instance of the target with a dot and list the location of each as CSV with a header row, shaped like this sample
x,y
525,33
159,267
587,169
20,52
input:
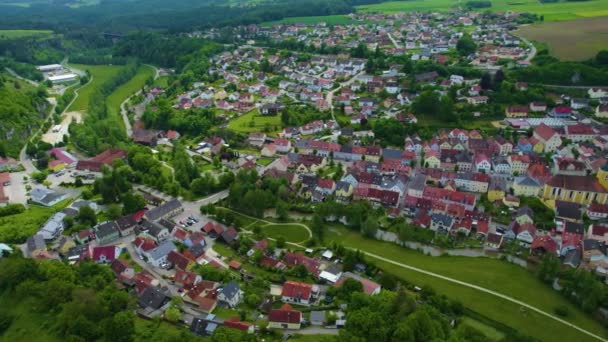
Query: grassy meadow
x,y
16,34
291,233
260,123
127,89
100,74
493,274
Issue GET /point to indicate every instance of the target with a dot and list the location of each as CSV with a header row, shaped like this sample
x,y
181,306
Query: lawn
x,y
100,73
16,34
265,161
490,273
578,39
291,233
162,81
127,89
490,332
17,228
253,122
558,11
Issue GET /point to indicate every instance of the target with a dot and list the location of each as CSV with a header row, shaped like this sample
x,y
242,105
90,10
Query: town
x,y
246,195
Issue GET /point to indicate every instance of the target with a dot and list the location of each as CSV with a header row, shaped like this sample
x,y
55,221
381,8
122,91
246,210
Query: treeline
x,y
175,16
550,70
99,131
93,59
33,50
478,4
24,70
22,111
85,304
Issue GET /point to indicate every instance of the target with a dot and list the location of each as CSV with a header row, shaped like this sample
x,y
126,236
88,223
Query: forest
x,y
177,16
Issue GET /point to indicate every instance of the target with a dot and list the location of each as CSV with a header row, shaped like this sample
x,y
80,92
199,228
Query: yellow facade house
x,y
578,189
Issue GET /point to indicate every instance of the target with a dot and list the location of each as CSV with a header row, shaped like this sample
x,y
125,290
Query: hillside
x,y
22,110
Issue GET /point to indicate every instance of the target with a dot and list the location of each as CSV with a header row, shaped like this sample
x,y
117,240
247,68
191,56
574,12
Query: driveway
x,y
16,191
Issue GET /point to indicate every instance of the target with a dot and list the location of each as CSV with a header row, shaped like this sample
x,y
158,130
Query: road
x,y
330,94
123,108
393,40
23,158
532,53
14,74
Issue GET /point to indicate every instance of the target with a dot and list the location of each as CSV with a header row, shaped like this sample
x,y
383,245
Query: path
x,y
330,94
393,40
15,75
483,289
532,53
459,282
123,108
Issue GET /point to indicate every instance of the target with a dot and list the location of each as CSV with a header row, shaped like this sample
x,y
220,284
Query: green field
x,y
19,227
490,332
162,81
124,91
100,74
242,124
558,11
15,34
492,274
28,325
291,233
328,19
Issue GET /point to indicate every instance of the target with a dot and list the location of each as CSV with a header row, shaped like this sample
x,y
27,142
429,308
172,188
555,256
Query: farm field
x,y
558,11
578,39
291,233
492,274
260,123
127,89
100,74
15,34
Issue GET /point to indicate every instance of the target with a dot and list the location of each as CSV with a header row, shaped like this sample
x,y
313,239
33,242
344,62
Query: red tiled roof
x,y
577,183
297,290
285,315
544,131
236,323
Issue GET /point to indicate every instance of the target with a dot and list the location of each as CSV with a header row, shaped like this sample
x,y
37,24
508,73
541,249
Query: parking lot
x,y
16,191
69,176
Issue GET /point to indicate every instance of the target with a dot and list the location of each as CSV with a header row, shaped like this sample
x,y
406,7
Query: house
x,y
158,256
127,224
519,163
482,163
538,106
598,232
269,150
525,233
165,210
284,318
53,227
64,157
105,254
580,132
187,280
270,109
107,232
236,323
441,223
601,111
597,93
524,215
156,231
296,292
369,287
516,112
597,211
561,112
497,189
230,294
34,245
105,158
548,137
123,270
494,240
153,298
431,160
526,186
229,235
544,245
578,189
282,145
180,261
46,197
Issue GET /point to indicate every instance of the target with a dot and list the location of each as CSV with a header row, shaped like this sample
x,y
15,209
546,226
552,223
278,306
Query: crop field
x,y
570,40
557,11
100,74
15,34
493,274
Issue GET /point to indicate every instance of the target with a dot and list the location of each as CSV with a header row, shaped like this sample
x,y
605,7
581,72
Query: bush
x,y
561,311
5,321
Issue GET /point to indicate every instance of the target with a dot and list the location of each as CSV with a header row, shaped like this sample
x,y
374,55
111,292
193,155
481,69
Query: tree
x,y
486,81
388,281
466,45
281,242
132,202
602,57
172,314
86,215
120,328
252,300
282,210
114,211
427,103
317,227
369,228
